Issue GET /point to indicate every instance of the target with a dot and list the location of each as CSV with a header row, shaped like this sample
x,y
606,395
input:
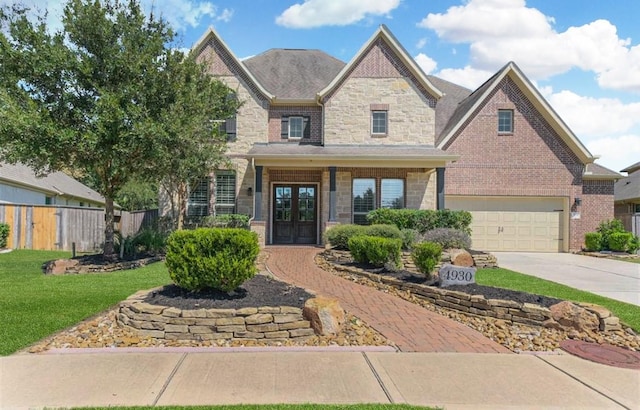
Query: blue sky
x,y
583,55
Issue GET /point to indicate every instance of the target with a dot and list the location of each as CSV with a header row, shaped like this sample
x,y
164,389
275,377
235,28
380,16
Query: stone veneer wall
x,y
525,313
253,323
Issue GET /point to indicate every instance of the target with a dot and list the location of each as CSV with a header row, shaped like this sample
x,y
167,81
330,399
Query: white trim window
x,y
295,127
198,203
379,122
365,198
505,121
225,192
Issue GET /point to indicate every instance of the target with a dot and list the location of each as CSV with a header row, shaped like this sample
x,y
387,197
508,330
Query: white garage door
x,y
513,224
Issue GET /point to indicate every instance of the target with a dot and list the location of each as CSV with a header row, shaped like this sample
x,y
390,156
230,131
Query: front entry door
x,y
294,214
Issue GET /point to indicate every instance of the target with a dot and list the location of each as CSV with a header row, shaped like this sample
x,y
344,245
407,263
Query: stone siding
x,y
253,323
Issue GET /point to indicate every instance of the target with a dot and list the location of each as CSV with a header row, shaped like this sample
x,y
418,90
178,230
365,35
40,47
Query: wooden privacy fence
x,y
58,228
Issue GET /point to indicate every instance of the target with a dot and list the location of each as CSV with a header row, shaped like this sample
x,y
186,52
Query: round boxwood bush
x,y
376,250
218,258
426,256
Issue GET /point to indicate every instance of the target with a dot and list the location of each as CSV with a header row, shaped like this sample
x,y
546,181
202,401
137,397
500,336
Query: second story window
x,y
296,127
228,128
379,119
505,121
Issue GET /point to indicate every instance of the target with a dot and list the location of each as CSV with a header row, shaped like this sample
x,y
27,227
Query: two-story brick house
x,y
318,142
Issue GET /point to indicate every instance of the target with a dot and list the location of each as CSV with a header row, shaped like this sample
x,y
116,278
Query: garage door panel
x,y
514,224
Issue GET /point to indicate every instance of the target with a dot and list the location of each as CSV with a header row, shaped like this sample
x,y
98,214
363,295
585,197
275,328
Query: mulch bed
x,y
258,291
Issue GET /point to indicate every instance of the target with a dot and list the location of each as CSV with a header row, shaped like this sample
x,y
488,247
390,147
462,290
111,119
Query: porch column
x,y
257,199
440,188
332,194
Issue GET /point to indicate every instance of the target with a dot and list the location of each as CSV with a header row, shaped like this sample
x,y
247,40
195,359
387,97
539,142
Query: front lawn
x,y
33,306
504,278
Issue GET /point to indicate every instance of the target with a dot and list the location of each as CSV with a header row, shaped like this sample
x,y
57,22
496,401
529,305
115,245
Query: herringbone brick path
x,y
411,327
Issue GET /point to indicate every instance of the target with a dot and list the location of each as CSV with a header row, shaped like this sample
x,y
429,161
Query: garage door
x,y
514,224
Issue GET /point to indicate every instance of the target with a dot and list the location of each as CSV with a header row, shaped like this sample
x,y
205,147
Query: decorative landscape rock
x,y
456,275
75,266
570,315
460,257
325,314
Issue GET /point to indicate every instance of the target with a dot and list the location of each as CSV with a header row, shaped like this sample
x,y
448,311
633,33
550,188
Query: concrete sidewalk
x,y
206,377
606,277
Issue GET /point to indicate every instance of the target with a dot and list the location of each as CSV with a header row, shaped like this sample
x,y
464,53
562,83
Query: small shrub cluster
x,y
4,235
339,235
426,256
226,221
422,220
611,236
448,238
215,258
147,241
375,250
409,238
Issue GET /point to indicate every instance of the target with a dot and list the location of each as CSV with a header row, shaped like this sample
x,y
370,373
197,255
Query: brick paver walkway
x,y
411,327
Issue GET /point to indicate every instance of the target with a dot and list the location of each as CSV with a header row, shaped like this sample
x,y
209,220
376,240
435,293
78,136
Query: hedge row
x,y
422,220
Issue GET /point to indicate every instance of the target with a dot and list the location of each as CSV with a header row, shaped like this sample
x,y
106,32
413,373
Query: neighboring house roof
x,y
384,34
55,183
291,74
597,171
468,107
627,189
631,168
406,156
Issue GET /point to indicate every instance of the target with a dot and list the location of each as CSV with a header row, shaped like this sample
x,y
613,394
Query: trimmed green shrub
x,y
212,258
607,228
593,241
619,241
422,220
383,231
426,256
409,237
634,245
448,238
4,235
226,221
375,250
339,235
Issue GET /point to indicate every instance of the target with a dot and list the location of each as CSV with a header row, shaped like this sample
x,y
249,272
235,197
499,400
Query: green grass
x,y
630,260
33,305
276,407
504,278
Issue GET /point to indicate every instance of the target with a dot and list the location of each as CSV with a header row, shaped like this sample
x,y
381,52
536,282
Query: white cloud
x,y
317,13
179,13
503,30
426,63
468,77
616,153
421,43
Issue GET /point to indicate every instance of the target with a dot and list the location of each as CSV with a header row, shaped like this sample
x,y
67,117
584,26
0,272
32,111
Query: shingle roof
x,y
57,183
631,168
447,105
349,151
597,171
628,188
294,74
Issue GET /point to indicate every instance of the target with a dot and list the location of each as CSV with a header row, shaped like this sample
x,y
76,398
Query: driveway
x,y
613,279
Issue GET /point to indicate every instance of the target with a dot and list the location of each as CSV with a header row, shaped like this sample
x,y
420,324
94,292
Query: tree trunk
x,y
108,227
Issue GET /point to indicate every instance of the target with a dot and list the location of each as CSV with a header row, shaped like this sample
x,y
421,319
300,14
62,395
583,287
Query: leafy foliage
x,y
593,241
606,229
339,235
409,237
4,235
619,241
426,256
226,221
376,250
422,220
107,96
212,258
448,238
138,195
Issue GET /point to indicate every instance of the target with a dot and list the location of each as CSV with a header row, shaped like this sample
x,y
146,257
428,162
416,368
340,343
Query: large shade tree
x,y
106,95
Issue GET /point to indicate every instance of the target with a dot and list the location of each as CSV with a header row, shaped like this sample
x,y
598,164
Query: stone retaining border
x,y
508,310
268,323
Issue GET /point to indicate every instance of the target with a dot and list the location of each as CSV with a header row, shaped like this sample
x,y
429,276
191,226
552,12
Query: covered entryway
x,y
514,224
295,214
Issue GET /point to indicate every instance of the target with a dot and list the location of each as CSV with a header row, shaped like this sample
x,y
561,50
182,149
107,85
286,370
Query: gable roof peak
x,y
385,34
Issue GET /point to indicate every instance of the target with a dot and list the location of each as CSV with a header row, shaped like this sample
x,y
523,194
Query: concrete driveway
x,y
613,279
